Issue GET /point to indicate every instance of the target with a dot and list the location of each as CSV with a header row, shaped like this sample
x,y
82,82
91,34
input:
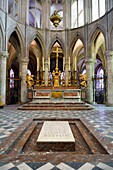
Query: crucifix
x,y
57,51
56,74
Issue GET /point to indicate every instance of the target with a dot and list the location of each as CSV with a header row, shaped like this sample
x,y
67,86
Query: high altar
x,y
56,85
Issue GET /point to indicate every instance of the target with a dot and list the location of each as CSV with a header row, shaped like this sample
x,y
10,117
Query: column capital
x,y
46,62
24,60
4,54
109,55
89,61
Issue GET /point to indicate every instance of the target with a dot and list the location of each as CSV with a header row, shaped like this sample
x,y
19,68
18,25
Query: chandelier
x,y
55,18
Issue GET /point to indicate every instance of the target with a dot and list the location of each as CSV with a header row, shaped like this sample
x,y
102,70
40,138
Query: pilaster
x,y
3,59
109,56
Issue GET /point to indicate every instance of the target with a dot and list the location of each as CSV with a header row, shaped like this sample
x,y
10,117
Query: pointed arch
x,y
16,28
36,35
97,39
57,38
77,36
97,28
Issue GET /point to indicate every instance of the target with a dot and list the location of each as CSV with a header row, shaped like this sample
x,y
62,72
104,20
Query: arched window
x,y
35,13
11,78
74,14
84,72
56,6
13,8
77,13
98,9
100,79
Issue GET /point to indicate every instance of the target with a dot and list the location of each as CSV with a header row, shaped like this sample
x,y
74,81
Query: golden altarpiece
x,y
56,75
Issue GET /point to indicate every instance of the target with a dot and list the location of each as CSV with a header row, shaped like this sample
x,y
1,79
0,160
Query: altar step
x,y
55,105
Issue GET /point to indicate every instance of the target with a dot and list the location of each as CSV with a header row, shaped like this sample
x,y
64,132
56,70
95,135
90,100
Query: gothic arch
x,y
73,59
19,33
97,28
77,36
57,38
38,36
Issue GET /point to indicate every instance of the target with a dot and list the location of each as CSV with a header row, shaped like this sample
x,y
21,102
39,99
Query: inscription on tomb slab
x,y
56,131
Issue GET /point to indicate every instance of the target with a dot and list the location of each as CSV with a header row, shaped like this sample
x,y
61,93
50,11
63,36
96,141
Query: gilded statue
x,y
29,81
82,80
56,77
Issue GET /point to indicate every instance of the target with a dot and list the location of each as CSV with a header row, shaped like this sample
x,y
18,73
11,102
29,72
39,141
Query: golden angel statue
x,y
82,80
29,81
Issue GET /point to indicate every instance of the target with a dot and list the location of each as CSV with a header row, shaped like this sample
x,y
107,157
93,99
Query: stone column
x,y
67,14
46,13
23,73
46,72
109,55
90,72
66,72
3,59
87,11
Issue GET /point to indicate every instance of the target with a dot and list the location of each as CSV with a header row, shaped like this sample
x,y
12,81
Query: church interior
x,y
56,84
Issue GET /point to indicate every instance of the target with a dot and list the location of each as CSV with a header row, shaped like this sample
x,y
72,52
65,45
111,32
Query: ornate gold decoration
x,y
1,103
29,81
69,79
63,82
56,73
82,80
37,83
55,18
56,77
56,94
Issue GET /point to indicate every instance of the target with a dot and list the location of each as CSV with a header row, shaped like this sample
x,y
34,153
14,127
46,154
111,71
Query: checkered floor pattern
x,y
61,166
100,117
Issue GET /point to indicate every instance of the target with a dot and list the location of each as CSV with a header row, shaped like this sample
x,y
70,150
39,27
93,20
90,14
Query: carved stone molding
x,y
24,60
89,61
3,55
46,62
109,55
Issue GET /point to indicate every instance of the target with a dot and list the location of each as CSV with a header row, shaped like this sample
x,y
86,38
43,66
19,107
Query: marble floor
x,y
101,117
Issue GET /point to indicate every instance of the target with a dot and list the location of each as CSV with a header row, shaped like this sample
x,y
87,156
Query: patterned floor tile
x,y
7,166
63,166
47,166
104,166
11,118
87,166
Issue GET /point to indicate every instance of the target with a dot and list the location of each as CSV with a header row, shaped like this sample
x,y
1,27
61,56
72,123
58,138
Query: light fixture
x,y
55,17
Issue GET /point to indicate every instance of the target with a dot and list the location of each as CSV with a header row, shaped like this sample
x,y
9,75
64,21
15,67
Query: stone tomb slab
x,y
56,136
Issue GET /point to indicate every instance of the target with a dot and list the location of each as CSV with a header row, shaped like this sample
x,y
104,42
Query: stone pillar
x,y
87,11
46,72
23,73
3,59
67,14
90,72
66,72
109,55
46,13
